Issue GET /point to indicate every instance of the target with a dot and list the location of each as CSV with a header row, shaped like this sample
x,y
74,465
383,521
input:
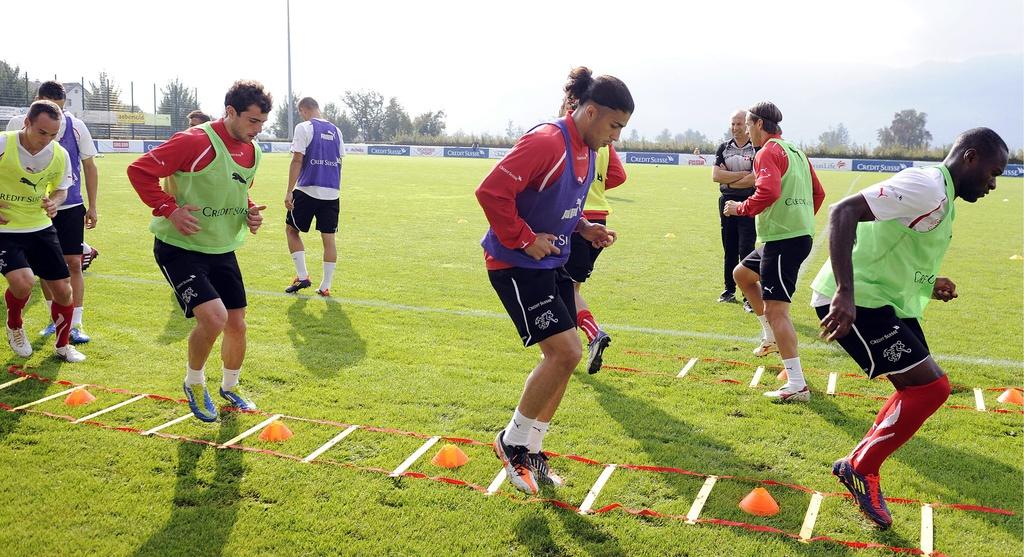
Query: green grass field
x,y
414,339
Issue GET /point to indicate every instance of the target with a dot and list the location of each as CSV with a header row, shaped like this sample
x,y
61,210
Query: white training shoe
x,y
788,395
766,347
19,342
69,354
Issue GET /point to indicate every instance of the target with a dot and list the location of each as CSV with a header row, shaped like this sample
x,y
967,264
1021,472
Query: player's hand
x,y
542,246
841,314
183,220
49,206
599,235
3,219
289,202
731,208
944,289
91,217
255,219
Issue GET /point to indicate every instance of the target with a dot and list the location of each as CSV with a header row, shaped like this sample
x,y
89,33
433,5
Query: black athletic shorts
x,y
70,225
39,251
881,343
778,264
540,302
306,207
200,277
582,256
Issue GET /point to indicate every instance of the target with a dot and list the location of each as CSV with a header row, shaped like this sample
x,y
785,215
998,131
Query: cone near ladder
x,y
79,397
275,432
759,503
449,456
782,376
1012,396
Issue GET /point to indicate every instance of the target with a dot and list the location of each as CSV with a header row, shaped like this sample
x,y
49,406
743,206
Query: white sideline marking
x,y
498,480
168,424
13,382
588,502
757,376
979,400
832,378
927,532
414,456
44,399
251,430
811,517
702,497
337,438
686,368
110,409
817,347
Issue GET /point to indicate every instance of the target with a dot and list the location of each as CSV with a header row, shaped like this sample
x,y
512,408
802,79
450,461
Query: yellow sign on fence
x,y
131,118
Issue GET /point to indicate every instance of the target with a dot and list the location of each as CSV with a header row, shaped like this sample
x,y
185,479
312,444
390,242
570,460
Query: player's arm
x,y
59,194
818,192
843,219
616,175
301,138
90,173
769,168
599,235
719,173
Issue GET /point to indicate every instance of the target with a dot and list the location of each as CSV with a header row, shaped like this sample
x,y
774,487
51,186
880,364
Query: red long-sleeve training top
x,y
770,163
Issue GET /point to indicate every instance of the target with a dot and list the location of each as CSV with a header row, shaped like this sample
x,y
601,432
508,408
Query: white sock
x,y
517,432
49,306
86,248
76,319
325,283
230,379
796,375
299,258
537,433
766,329
194,376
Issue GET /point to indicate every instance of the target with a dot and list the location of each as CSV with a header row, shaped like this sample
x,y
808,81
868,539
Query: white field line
x,y
175,421
497,482
110,409
927,531
757,376
702,497
47,398
686,369
326,446
811,517
485,314
832,378
591,497
414,457
251,430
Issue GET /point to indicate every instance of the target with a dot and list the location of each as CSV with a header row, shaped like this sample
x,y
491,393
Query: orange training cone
x,y
79,397
275,432
449,456
760,503
1011,396
782,376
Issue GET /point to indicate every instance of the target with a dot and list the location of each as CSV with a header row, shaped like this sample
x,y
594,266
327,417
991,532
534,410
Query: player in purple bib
x,y
533,200
314,185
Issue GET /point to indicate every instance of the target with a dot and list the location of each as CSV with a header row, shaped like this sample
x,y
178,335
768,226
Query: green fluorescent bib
x,y
596,200
895,265
221,191
23,191
792,214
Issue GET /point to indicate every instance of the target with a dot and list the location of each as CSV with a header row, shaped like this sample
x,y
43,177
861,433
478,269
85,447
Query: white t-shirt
x,y
915,196
301,139
86,148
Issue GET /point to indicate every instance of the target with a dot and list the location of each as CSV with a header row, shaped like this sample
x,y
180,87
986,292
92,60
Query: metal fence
x,y
111,110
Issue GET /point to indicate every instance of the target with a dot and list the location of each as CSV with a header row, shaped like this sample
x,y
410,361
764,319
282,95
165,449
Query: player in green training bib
x,y
199,221
886,246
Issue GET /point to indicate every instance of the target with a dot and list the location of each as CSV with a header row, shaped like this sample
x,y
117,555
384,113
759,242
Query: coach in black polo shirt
x,y
733,163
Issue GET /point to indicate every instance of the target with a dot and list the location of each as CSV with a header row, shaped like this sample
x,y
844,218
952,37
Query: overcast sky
x,y
687,65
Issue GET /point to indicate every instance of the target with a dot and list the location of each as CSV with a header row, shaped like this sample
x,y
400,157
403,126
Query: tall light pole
x,y
291,102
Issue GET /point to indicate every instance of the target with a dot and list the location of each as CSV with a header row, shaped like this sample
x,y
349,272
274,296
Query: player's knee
x,y
20,284
742,275
235,325
213,320
74,264
776,312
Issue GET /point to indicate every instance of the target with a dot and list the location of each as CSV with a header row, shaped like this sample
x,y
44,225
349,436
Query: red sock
x,y
62,316
901,417
14,308
585,320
